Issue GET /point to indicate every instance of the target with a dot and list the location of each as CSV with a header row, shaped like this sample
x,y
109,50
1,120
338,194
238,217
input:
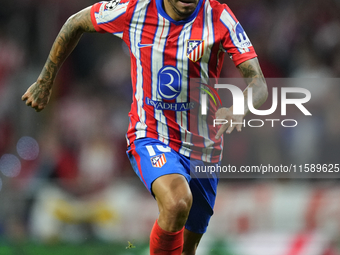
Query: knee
x,y
174,200
178,206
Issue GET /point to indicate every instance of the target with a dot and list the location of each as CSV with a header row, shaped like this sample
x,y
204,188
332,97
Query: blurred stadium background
x,y
66,186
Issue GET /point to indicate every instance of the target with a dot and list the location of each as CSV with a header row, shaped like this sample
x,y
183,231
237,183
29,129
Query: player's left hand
x,y
227,114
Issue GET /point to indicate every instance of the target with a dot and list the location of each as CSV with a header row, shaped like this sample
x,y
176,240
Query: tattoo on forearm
x,y
63,45
69,36
41,90
65,42
253,75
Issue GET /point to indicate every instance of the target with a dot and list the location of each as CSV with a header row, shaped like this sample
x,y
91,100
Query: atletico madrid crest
x,y
158,161
195,49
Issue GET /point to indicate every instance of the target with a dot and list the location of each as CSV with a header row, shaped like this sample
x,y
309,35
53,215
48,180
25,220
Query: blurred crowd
x,y
81,134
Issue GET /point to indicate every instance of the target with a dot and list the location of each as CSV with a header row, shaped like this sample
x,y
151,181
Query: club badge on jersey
x,y
195,49
158,161
112,5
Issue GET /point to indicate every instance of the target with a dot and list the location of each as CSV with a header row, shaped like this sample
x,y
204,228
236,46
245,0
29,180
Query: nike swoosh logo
x,y
143,45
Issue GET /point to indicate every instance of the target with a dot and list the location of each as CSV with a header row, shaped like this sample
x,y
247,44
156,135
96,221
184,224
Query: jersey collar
x,y
159,4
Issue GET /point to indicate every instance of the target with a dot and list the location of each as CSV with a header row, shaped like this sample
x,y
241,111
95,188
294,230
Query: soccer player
x,y
170,41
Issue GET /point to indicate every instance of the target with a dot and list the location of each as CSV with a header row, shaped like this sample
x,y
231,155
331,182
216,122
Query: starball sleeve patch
x,y
112,5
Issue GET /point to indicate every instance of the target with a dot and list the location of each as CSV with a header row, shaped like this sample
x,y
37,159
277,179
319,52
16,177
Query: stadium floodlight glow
x,y
10,165
28,148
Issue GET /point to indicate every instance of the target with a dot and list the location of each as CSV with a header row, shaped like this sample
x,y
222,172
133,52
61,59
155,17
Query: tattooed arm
x,y
38,94
253,75
251,72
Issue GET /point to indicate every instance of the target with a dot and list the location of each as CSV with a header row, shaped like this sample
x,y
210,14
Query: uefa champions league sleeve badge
x,y
110,6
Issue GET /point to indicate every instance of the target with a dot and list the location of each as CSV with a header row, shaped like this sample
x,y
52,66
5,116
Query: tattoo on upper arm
x,y
251,69
70,34
64,44
83,18
253,75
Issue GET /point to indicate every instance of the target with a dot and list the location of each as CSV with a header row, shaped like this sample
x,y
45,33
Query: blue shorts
x,y
151,159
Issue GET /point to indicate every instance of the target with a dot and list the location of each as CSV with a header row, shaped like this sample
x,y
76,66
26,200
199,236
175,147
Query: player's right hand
x,y
37,96
227,114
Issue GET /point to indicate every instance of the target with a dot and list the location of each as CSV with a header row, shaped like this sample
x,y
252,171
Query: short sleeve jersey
x,y
165,55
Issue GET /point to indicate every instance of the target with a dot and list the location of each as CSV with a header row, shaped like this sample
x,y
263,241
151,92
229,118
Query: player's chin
x,y
185,9
185,13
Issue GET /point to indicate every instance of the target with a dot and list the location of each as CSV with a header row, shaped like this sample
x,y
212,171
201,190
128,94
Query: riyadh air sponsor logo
x,y
158,161
178,107
169,82
195,49
243,40
139,45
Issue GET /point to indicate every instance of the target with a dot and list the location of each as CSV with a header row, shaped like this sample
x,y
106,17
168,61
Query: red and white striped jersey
x,y
165,55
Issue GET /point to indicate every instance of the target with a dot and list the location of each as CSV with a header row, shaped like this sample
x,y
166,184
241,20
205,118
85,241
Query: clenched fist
x,y
37,96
